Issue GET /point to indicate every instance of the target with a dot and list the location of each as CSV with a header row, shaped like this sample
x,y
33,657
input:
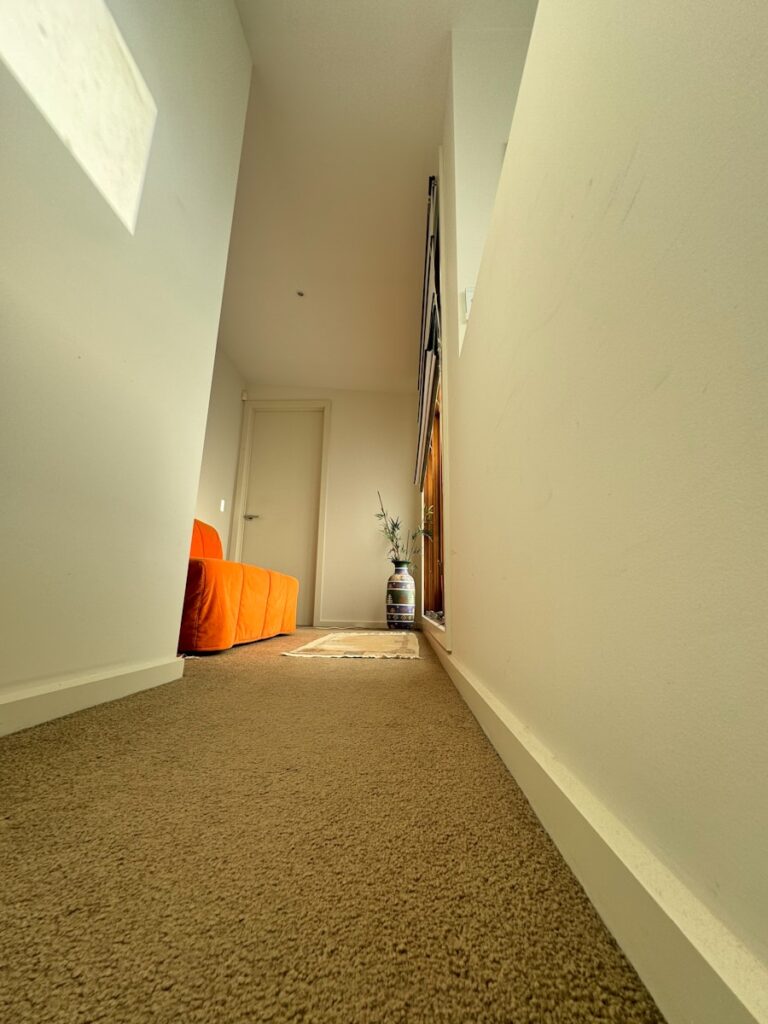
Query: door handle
x,y
250,515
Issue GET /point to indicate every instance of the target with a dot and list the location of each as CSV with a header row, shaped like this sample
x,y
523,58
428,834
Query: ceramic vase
x,y
401,597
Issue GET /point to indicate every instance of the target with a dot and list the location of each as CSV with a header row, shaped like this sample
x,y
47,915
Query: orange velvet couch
x,y
228,603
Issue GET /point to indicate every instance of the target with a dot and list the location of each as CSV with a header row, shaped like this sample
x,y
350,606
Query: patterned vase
x,y
401,597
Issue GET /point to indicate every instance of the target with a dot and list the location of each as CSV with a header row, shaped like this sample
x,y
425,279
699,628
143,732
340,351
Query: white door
x,y
283,497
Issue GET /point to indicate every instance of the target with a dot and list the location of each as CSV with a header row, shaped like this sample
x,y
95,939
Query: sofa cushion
x,y
206,542
211,604
278,592
253,605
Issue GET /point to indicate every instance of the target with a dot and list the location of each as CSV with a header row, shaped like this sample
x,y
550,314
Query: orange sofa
x,y
228,603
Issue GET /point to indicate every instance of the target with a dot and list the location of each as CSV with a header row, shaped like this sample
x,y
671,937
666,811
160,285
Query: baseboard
x,y
694,967
35,702
351,624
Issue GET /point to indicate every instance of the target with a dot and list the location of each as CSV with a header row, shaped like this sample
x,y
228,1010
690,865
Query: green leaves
x,y
402,549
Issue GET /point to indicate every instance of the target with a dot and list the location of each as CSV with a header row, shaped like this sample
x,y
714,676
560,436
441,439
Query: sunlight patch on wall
x,y
73,63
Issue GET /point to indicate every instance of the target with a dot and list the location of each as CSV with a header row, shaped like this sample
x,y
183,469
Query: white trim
x,y
322,511
31,703
694,967
235,519
235,547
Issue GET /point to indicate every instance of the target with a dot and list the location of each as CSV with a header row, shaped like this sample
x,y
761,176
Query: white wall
x,y
222,439
486,69
108,343
372,446
607,433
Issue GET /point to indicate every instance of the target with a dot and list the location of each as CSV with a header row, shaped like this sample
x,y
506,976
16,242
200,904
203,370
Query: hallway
x,y
280,839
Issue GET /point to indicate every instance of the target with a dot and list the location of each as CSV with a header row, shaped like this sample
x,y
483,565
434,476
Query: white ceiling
x,y
344,122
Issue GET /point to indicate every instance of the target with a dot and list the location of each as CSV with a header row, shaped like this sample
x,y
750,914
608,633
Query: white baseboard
x,y
693,966
351,624
35,702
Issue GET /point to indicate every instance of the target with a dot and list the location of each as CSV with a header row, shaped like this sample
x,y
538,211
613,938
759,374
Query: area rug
x,y
360,645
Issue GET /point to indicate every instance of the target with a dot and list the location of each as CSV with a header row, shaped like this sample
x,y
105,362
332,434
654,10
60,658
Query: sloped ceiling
x,y
344,122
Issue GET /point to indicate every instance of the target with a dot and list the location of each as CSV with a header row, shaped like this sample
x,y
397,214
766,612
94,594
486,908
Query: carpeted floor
x,y
278,839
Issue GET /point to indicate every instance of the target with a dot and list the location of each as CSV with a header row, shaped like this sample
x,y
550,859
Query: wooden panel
x,y
433,496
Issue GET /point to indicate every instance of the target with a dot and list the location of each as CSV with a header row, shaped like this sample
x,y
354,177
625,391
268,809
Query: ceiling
x,y
344,120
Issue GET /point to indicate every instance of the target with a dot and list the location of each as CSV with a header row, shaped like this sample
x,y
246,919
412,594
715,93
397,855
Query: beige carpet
x,y
278,839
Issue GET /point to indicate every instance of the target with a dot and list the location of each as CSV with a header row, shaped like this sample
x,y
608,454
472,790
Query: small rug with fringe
x,y
389,644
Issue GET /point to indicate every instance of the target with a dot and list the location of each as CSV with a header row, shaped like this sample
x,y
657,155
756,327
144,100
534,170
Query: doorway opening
x,y
279,501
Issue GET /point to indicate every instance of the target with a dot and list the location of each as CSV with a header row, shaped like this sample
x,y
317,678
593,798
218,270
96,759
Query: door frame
x,y
251,405
449,363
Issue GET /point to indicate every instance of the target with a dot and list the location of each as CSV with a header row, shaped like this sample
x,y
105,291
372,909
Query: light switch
x,y
222,505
